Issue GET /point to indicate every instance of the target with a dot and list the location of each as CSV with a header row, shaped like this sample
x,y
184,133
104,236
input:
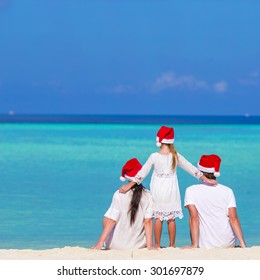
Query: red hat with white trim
x,y
165,135
130,169
210,164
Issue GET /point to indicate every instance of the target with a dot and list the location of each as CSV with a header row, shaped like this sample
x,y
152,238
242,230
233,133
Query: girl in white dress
x,y
128,221
164,183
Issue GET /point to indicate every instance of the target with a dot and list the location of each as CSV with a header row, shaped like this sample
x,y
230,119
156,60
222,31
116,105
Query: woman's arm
x,y
108,226
148,233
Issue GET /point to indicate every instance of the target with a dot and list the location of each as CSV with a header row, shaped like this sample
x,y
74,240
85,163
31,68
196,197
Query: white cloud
x,y
220,86
252,79
171,80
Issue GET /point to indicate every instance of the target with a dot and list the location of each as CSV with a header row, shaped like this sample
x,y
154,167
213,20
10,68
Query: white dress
x,y
124,235
164,184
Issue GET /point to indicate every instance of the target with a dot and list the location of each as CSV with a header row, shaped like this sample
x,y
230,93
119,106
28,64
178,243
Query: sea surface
x,y
58,174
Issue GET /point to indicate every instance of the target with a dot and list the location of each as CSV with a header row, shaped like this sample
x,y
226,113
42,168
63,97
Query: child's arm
x,y
139,176
209,181
192,170
127,187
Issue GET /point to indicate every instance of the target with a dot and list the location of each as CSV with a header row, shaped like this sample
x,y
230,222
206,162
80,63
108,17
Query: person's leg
x,y
157,232
172,232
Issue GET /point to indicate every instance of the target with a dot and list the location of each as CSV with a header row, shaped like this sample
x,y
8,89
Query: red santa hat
x,y
164,135
130,169
210,164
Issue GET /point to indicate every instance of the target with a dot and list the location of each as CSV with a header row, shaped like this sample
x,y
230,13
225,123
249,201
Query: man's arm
x,y
235,224
194,226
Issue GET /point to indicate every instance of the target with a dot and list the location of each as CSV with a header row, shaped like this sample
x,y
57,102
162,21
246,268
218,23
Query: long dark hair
x,y
135,201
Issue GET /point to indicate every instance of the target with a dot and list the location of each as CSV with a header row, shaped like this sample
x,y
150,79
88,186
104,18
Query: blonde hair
x,y
174,155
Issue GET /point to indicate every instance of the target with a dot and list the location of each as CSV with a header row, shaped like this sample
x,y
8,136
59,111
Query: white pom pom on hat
x,y
123,179
210,164
164,135
130,169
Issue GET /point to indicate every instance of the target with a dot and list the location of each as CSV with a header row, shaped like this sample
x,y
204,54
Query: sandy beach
x,y
79,253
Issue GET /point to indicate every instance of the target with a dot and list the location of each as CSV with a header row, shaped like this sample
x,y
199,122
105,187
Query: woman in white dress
x,y
128,221
164,183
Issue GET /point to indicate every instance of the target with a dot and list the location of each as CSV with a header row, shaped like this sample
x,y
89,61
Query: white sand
x,y
79,253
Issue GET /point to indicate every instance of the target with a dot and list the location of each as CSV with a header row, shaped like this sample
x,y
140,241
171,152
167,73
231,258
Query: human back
x,y
212,203
128,221
127,234
213,219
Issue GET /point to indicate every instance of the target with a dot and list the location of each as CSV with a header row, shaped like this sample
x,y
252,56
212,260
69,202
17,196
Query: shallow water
x,y
57,180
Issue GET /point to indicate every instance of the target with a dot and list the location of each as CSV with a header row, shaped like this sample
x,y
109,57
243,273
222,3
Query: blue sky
x,y
130,57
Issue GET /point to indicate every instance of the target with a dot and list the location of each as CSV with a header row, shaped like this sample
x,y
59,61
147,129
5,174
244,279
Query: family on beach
x,y
136,213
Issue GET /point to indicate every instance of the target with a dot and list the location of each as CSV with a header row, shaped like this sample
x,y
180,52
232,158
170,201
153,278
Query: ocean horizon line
x,y
11,117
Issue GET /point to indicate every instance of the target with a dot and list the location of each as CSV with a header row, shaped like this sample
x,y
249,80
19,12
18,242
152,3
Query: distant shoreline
x,y
128,119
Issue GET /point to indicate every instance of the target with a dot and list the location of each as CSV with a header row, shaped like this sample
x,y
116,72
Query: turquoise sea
x,y
57,178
